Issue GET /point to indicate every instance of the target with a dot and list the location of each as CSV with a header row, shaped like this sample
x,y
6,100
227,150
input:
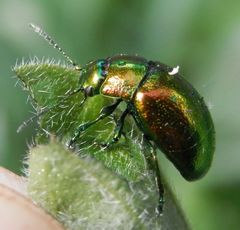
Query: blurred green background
x,y
202,37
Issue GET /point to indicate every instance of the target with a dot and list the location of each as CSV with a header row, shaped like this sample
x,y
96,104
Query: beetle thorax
x,y
122,80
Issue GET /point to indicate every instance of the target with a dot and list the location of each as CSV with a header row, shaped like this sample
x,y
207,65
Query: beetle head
x,y
92,76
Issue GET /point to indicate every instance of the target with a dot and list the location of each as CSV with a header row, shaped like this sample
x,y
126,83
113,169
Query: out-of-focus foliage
x,y
201,36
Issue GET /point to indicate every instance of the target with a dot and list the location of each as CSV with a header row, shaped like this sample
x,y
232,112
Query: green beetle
x,y
167,109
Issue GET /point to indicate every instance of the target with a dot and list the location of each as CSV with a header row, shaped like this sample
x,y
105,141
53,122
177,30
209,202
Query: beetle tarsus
x,y
159,208
71,143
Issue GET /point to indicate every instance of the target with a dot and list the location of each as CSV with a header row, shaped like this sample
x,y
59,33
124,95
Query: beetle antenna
x,y
43,34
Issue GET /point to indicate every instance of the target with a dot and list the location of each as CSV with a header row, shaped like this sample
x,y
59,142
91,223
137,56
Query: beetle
x,y
170,113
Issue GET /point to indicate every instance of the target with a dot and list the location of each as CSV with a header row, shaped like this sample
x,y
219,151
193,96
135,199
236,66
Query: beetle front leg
x,y
105,111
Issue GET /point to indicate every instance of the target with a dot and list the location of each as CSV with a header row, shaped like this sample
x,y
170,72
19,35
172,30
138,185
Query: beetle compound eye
x,y
103,66
89,91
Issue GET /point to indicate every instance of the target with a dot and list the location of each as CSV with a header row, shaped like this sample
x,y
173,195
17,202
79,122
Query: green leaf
x,y
49,85
83,194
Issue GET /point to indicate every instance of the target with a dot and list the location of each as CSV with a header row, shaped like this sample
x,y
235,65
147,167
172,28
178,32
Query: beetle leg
x,y
159,186
114,118
105,111
154,163
118,129
83,101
